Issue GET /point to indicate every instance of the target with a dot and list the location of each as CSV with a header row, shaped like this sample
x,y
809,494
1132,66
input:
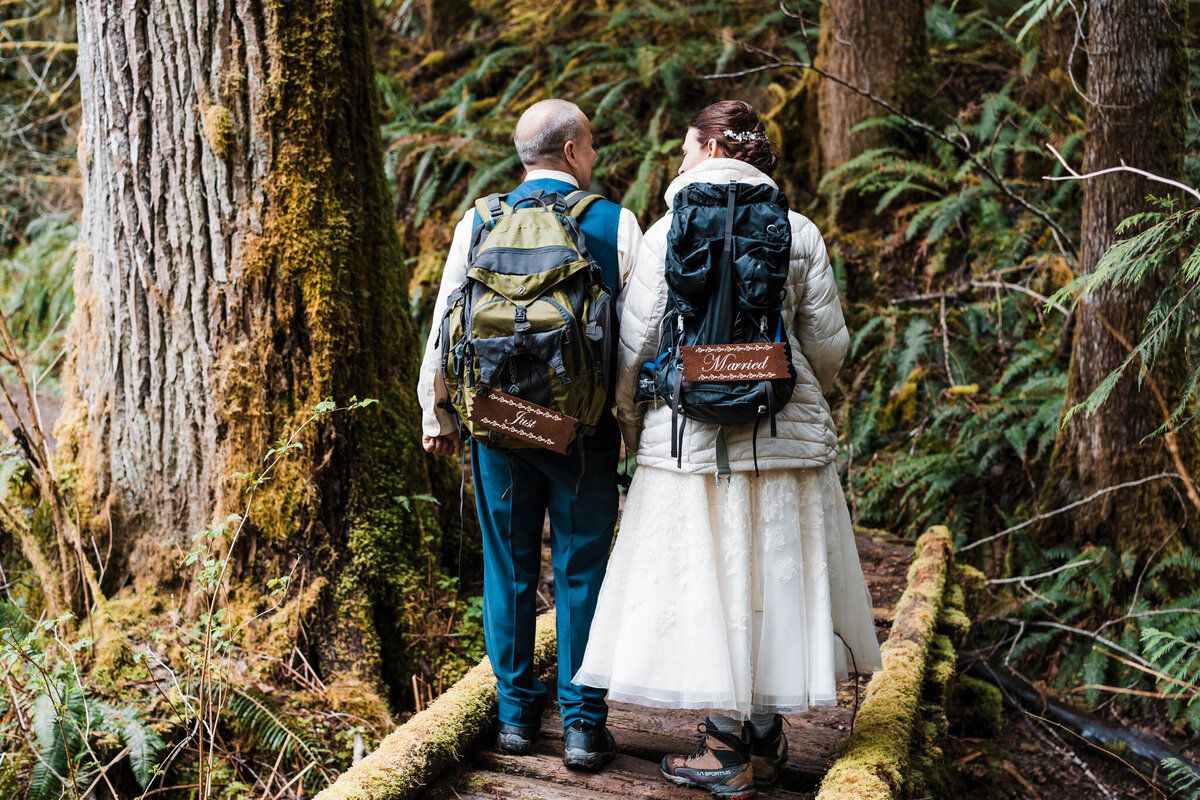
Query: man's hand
x,y
445,445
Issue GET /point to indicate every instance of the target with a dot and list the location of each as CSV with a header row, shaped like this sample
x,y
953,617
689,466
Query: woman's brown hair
x,y
736,127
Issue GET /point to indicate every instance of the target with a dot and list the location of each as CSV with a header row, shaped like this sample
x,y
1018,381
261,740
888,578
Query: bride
x,y
740,594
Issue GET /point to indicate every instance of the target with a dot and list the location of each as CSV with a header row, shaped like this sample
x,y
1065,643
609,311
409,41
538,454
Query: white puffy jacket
x,y
812,317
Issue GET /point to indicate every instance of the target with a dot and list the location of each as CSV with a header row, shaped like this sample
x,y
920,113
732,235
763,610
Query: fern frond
x,y
257,717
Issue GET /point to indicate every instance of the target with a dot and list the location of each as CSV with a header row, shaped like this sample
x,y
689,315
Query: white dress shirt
x,y
431,390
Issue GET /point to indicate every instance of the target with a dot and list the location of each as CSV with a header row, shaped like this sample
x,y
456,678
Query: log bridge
x,y
892,752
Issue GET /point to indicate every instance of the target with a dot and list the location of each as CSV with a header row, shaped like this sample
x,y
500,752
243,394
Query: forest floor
x,y
1022,763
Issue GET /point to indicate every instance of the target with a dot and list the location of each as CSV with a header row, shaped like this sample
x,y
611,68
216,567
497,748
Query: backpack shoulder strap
x,y
579,201
491,207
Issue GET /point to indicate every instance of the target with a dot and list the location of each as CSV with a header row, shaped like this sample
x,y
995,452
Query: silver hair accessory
x,y
746,136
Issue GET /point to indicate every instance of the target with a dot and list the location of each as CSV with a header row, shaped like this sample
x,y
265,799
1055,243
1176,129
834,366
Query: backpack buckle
x,y
520,326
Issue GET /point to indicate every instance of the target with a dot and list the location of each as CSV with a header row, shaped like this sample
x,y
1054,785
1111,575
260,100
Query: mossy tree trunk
x,y
1137,115
238,264
877,45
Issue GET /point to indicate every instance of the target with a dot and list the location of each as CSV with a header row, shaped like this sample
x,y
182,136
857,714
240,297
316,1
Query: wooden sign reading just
x,y
523,420
734,362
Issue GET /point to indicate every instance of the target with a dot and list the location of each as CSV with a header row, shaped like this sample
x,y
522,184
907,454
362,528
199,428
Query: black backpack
x,y
726,269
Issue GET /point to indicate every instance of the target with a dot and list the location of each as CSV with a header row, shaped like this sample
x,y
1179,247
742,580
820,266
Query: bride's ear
x,y
712,148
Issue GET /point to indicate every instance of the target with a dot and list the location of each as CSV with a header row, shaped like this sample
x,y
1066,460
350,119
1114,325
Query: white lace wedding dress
x,y
728,596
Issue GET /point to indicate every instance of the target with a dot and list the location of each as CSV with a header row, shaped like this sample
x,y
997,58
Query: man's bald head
x,y
545,129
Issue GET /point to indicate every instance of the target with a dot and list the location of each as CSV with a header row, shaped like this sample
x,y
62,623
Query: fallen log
x,y
1143,754
875,757
418,751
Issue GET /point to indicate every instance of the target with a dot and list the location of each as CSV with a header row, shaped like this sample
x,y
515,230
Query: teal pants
x,y
513,491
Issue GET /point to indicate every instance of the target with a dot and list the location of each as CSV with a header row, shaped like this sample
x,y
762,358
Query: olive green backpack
x,y
534,318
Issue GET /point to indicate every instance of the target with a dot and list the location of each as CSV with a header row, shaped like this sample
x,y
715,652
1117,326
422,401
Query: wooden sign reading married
x,y
734,362
523,420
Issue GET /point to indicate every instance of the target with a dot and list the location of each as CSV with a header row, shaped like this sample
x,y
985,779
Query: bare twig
x,y
1082,632
1093,496
1077,176
1023,578
962,289
1060,236
945,341
1016,287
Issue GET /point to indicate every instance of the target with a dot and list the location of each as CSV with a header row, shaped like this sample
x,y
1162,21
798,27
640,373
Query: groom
x,y
514,489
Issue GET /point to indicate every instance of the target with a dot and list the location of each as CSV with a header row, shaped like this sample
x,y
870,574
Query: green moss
x,y
926,776
420,749
326,282
126,618
976,707
875,758
974,587
939,669
954,623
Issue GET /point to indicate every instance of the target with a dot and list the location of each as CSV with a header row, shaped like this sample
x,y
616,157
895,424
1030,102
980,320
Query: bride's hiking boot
x,y
768,753
721,765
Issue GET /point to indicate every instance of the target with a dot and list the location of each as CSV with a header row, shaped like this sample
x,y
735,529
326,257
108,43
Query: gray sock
x,y
730,725
761,722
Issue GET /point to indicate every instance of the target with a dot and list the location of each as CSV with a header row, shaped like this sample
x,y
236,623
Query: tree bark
x,y
1137,86
239,264
1061,55
878,46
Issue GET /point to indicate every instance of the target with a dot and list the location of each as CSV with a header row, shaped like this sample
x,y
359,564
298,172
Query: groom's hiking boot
x,y
721,764
516,739
768,754
588,747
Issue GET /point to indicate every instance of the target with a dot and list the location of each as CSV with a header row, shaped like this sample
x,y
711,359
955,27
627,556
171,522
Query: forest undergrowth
x,y
959,304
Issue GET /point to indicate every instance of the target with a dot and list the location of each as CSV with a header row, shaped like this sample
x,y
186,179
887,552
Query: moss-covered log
x,y
420,749
875,758
239,265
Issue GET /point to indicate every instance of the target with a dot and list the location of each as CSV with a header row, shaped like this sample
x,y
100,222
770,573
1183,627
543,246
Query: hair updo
x,y
736,127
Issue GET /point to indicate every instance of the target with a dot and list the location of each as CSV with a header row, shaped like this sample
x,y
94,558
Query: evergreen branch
x,y
1149,670
1170,438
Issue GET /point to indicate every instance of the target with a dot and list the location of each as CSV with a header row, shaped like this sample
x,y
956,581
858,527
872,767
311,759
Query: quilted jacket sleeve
x,y
641,306
819,324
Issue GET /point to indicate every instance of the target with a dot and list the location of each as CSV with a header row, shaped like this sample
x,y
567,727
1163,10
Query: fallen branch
x,y
875,756
1143,756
